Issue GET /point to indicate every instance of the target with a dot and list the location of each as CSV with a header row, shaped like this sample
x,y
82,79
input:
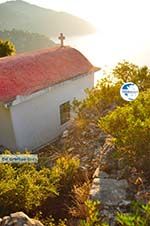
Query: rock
x,y
95,190
83,168
123,173
100,174
96,173
96,181
70,149
104,175
109,191
84,159
83,133
121,164
112,191
102,137
84,142
65,134
5,220
108,162
109,216
125,203
143,196
19,219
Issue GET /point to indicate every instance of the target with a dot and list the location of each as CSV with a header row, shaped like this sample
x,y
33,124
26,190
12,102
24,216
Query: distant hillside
x,y
24,16
26,41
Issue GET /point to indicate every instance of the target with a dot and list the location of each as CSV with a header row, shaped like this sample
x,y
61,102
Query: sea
x,y
105,51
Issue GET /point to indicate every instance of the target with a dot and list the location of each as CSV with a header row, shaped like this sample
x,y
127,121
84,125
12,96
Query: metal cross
x,y
62,38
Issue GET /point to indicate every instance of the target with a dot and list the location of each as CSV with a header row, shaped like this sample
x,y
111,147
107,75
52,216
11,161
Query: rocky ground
x,y
82,143
116,185
19,219
109,184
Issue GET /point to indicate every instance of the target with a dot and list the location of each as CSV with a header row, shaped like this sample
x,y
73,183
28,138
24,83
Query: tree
x,y
7,48
128,72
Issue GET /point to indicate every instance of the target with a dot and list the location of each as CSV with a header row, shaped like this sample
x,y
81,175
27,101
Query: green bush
x,y
130,126
66,166
65,169
51,222
24,188
139,217
99,100
93,217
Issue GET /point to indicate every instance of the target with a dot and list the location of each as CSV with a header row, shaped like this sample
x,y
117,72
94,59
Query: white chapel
x,y
36,90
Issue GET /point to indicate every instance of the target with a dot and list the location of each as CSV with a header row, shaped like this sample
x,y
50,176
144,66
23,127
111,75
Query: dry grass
x,y
80,195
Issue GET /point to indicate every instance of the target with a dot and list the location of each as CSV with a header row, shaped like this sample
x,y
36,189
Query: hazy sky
x,y
126,23
123,15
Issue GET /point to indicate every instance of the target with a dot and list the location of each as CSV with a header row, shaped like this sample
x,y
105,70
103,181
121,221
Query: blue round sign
x,y
129,91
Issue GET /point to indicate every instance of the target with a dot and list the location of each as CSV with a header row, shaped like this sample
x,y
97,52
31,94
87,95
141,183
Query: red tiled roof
x,y
27,73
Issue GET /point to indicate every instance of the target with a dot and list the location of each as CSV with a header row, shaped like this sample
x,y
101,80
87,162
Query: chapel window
x,y
64,112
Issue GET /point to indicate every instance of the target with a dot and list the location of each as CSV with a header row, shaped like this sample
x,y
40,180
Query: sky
x,y
124,23
116,17
131,13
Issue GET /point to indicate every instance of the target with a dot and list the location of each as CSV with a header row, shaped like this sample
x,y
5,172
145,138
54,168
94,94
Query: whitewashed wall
x,y
7,136
36,120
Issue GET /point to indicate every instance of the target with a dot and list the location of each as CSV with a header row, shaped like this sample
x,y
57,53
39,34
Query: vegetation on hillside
x,y
26,41
128,123
130,126
36,191
105,97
